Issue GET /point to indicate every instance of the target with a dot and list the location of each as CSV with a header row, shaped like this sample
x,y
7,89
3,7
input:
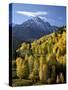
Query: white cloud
x,y
44,18
31,13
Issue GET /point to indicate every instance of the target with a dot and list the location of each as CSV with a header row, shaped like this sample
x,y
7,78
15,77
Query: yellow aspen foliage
x,y
26,57
44,72
22,68
62,60
44,48
41,59
36,63
27,46
49,57
42,39
23,46
32,76
30,63
36,50
19,69
55,47
25,69
41,68
41,73
58,54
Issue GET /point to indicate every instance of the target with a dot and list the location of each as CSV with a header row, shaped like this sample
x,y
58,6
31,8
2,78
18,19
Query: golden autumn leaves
x,y
44,59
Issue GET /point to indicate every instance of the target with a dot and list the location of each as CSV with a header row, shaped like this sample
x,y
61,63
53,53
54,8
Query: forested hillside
x,y
43,60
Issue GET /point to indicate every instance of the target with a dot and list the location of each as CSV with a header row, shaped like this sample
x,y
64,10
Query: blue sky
x,y
55,15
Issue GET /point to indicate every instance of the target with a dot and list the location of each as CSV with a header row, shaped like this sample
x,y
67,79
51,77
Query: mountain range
x,y
30,30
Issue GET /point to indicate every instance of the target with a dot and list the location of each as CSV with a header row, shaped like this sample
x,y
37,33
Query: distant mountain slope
x,y
32,29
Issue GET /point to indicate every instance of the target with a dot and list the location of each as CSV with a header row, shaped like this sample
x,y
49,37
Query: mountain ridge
x,y
30,30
